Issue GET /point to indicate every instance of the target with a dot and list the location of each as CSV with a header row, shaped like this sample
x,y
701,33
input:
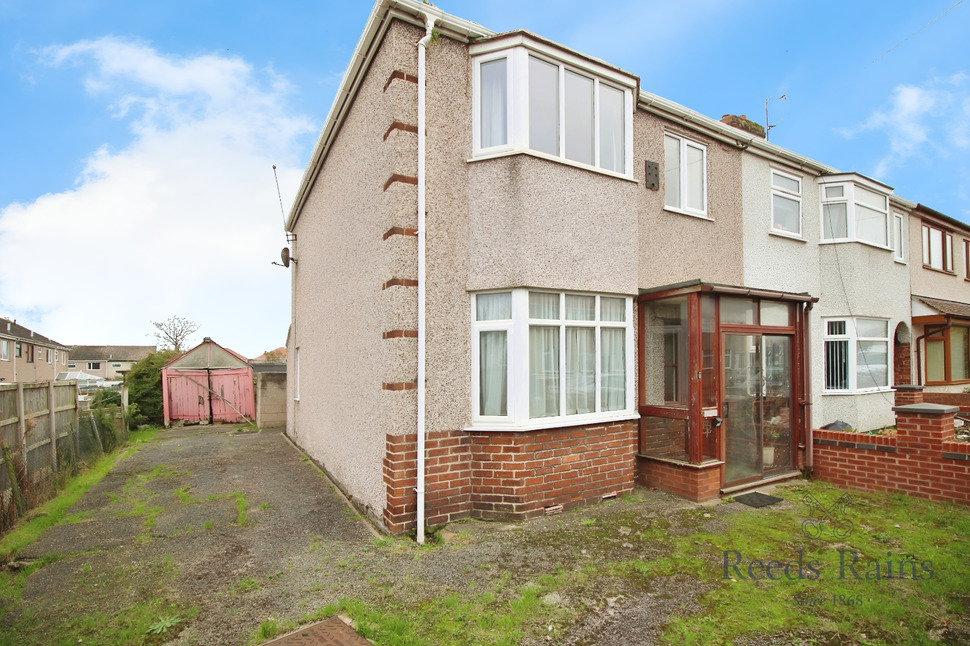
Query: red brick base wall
x,y
518,475
949,399
694,482
507,475
922,461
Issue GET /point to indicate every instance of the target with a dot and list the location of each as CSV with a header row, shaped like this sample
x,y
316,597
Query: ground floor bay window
x,y
544,359
722,384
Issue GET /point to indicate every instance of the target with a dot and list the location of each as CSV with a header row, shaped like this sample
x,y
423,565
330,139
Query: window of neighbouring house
x,y
898,228
4,351
786,204
532,97
57,355
966,258
543,359
49,355
685,175
937,248
856,354
115,365
948,356
17,349
29,352
94,365
854,213
72,365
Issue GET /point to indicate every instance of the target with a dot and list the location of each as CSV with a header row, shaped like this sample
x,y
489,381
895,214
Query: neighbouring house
x,y
521,282
28,356
271,356
110,362
207,384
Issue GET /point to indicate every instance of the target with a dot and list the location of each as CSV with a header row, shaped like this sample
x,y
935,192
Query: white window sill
x,y
557,422
900,262
699,216
868,391
505,152
868,244
789,236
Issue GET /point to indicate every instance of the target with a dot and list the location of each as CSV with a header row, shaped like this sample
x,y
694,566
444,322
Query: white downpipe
x,y
422,46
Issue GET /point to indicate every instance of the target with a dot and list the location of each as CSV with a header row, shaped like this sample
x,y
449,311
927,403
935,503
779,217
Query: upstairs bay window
x,y
533,97
854,213
546,359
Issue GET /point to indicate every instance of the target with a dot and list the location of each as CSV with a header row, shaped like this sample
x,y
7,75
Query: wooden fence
x,y
42,432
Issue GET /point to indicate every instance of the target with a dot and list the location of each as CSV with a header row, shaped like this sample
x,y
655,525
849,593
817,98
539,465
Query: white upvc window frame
x,y
516,50
786,194
852,209
4,350
517,363
899,238
851,338
49,356
684,144
91,365
72,365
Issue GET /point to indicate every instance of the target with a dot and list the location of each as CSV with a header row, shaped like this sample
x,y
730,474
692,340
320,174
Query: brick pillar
x,y
906,395
400,479
923,427
902,363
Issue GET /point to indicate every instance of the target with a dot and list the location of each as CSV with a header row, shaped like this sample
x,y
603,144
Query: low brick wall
x,y
961,400
507,475
923,460
692,481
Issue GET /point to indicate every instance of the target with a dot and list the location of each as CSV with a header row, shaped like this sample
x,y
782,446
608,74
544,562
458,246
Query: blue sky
x,y
137,139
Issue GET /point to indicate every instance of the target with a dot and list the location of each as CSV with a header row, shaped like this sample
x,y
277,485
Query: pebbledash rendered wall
x,y
922,460
508,222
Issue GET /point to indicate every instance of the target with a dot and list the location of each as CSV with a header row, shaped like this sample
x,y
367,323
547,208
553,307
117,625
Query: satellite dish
x,y
285,256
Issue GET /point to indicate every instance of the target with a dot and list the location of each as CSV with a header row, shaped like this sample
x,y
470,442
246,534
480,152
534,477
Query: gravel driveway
x,y
230,530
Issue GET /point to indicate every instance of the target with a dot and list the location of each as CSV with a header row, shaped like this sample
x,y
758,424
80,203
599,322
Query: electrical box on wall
x,y
652,179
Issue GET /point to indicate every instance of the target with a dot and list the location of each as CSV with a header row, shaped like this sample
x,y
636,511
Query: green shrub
x,y
144,382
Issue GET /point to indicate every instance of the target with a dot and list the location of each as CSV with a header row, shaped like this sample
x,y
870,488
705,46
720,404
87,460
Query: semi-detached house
x,y
521,282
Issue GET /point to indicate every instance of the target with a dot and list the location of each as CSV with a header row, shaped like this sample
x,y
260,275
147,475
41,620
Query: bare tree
x,y
174,331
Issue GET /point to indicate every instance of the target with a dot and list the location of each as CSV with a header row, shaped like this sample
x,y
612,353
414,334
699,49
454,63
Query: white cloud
x,y
929,120
183,220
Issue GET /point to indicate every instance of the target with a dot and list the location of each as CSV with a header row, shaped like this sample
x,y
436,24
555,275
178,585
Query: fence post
x,y
22,423
77,423
52,423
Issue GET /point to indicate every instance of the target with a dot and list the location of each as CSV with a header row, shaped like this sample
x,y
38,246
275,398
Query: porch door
x,y
756,406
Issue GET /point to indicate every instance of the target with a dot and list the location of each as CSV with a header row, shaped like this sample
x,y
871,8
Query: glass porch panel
x,y
741,406
664,437
664,364
777,404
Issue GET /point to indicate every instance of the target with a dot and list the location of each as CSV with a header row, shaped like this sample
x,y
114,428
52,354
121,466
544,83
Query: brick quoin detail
x,y
397,177
398,74
400,231
923,460
508,475
400,125
404,282
400,385
401,334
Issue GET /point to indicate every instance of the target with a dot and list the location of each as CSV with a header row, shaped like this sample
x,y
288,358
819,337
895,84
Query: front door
x,y
756,406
